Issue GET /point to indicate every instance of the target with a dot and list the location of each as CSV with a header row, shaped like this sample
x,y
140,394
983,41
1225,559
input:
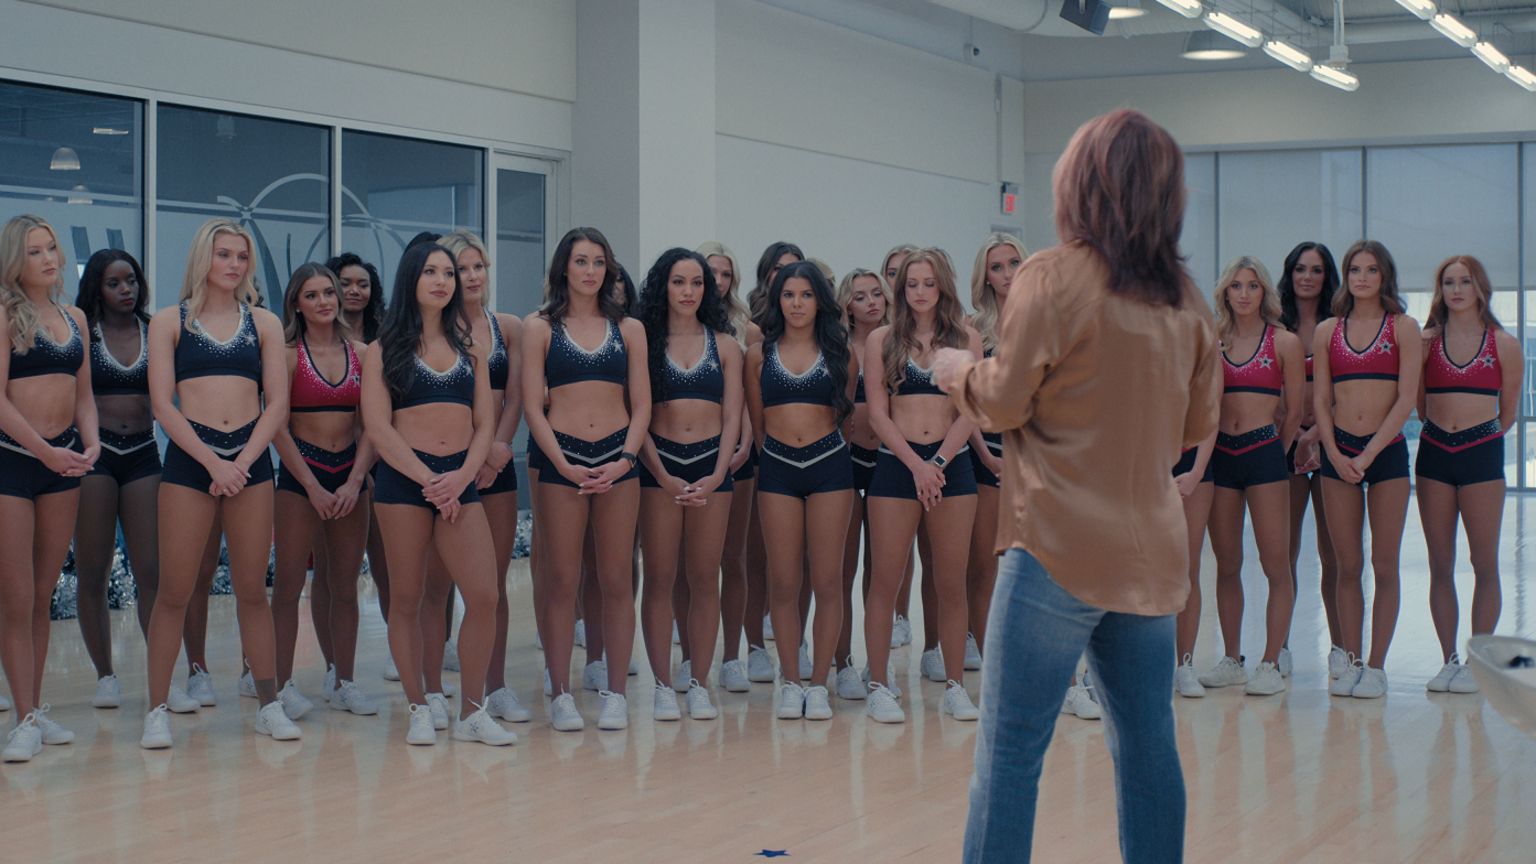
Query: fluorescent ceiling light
x,y
1336,77
1454,30
1120,10
1289,55
108,130
64,159
1522,76
1488,53
1234,29
1424,9
1187,8
1205,45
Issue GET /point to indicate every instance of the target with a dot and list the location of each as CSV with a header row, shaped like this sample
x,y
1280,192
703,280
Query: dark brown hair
x,y
1391,301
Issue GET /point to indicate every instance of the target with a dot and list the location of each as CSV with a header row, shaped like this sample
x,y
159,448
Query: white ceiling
x,y
1376,31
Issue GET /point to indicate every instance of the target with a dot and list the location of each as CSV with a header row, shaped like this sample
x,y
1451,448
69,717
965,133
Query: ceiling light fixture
x,y
1205,45
1454,30
80,195
108,130
1522,76
1289,55
64,159
1424,9
1121,10
1234,29
1336,77
1187,8
1490,54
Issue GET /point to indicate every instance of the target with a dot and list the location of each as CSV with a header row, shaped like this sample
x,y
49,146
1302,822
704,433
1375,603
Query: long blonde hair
x,y
19,308
194,284
1269,307
900,251
948,319
983,295
735,310
845,295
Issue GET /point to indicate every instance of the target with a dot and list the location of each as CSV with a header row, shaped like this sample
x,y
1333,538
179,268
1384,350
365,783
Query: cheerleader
x,y
901,626
216,359
427,410
1362,396
1460,466
48,441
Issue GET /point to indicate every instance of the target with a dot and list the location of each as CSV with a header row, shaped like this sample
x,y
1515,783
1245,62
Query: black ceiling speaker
x,y
1091,15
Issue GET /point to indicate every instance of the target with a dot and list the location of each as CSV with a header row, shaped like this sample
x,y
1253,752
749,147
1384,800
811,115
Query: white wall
x,y
847,144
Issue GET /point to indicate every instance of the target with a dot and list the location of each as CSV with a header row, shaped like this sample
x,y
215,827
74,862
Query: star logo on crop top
x,y
1384,347
1485,362
1265,362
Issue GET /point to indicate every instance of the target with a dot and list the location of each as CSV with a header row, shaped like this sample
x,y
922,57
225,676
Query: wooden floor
x,y
1298,777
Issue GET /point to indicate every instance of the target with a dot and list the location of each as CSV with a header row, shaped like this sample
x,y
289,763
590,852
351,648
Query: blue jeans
x,y
1035,634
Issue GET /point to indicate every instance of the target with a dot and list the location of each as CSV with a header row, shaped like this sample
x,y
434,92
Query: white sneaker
x,y
760,665
1185,681
437,703
1441,683
1285,663
422,730
480,726
1464,682
1344,685
677,638
109,692
685,674
806,667
890,678
791,704
390,673
1266,680
157,729
664,703
1338,662
53,733
328,686
563,714
1227,672
768,628
549,687
581,633
200,687
932,665
350,697
733,676
23,742
699,706
615,713
503,703
818,706
1372,684
972,654
295,704
901,632
595,675
1081,703
247,685
882,707
273,720
451,656
850,685
957,703
177,700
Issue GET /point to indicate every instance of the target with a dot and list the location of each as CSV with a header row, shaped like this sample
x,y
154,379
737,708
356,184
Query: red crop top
x,y
1259,373
1481,375
309,391
1379,360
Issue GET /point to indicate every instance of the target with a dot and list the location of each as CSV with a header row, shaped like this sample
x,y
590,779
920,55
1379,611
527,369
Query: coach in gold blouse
x,y
1106,368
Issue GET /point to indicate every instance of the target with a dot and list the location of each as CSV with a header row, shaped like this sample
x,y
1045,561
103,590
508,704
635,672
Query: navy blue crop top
x,y
704,380
109,377
782,387
917,382
456,385
567,362
496,366
48,357
199,355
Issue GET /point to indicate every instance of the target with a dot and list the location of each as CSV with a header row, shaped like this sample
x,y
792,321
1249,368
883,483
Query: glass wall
x,y
76,160
272,176
1272,200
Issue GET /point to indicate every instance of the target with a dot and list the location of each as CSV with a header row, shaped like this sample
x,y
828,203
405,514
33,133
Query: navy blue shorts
x,y
1390,464
586,454
126,458
505,482
1253,458
1473,455
863,465
689,463
393,487
984,475
330,467
748,469
536,460
894,480
23,475
1186,464
800,472
182,470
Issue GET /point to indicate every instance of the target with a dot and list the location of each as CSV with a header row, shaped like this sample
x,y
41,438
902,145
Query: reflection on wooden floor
x,y
1297,777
